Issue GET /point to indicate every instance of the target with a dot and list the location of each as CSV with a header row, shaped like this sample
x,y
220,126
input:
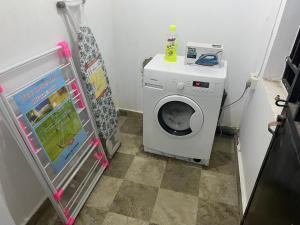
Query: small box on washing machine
x,y
203,54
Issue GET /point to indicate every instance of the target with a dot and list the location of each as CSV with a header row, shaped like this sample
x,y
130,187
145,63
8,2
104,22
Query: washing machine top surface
x,y
159,64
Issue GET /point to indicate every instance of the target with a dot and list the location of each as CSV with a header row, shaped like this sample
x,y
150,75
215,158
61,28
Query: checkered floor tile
x,y
144,189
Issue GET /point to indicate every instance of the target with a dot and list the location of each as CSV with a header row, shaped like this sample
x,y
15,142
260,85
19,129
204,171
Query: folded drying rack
x,y
69,188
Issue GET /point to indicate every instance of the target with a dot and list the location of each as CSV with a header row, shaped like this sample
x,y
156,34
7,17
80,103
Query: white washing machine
x,y
181,105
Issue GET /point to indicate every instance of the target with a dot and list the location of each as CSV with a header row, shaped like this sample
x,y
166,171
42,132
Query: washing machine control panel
x,y
203,87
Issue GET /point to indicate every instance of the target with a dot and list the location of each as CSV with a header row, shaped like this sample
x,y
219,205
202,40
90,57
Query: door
x,y
178,116
275,199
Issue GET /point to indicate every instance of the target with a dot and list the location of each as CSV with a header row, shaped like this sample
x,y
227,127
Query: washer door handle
x,y
196,122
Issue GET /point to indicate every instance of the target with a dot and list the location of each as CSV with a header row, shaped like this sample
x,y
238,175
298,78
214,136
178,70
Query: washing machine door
x,y
178,116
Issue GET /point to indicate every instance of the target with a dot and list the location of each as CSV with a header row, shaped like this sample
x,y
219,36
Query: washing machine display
x,y
200,84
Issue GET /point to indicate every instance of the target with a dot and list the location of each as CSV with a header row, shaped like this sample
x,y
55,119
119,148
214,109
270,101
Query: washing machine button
x,y
180,85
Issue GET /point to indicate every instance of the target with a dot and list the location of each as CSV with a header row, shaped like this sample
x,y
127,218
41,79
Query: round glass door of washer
x,y
179,116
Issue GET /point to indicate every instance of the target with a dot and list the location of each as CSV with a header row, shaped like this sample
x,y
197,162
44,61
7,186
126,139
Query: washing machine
x,y
181,105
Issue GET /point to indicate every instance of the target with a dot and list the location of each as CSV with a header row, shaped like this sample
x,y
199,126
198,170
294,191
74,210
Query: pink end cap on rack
x,y
105,164
65,50
74,86
22,125
96,142
99,155
2,89
67,212
70,221
80,103
58,194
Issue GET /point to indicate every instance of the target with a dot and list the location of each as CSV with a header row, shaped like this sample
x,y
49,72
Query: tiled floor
x,y
144,189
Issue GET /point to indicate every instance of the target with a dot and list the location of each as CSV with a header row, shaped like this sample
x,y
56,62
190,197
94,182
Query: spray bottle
x,y
171,45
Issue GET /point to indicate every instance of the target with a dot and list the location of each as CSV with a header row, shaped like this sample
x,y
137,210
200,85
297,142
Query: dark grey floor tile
x,y
135,200
121,120
223,162
132,114
90,216
181,178
46,215
119,165
224,144
132,126
213,213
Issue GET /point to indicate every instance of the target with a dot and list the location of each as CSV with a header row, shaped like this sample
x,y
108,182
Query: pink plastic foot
x,y
105,164
65,50
70,221
57,196
2,89
99,155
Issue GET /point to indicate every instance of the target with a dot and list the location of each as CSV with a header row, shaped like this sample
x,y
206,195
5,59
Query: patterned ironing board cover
x,y
103,106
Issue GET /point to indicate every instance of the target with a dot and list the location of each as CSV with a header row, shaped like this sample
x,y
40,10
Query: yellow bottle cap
x,y
172,27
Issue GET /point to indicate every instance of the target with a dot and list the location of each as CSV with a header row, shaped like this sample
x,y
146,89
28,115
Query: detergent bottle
x,y
171,45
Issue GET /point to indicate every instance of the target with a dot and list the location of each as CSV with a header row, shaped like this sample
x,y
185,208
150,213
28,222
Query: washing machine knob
x,y
180,85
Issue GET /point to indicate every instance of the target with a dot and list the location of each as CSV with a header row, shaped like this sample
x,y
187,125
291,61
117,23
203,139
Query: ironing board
x,y
95,80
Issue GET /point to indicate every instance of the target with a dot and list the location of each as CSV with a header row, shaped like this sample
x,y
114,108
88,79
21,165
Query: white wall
x,y
283,40
254,136
5,217
140,28
29,28
127,32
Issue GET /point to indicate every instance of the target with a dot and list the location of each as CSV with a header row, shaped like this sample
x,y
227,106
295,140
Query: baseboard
x,y
227,130
242,178
129,113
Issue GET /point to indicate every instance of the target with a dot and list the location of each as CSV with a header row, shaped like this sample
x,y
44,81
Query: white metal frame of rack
x,y
89,154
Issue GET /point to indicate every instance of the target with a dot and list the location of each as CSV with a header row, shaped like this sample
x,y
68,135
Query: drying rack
x,y
68,188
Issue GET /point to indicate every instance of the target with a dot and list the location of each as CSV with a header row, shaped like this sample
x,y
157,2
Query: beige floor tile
x,y
174,208
131,143
214,213
117,219
90,216
104,193
148,171
218,187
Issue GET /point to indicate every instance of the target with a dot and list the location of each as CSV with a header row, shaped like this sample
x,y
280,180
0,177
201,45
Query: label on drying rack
x,y
48,110
97,77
